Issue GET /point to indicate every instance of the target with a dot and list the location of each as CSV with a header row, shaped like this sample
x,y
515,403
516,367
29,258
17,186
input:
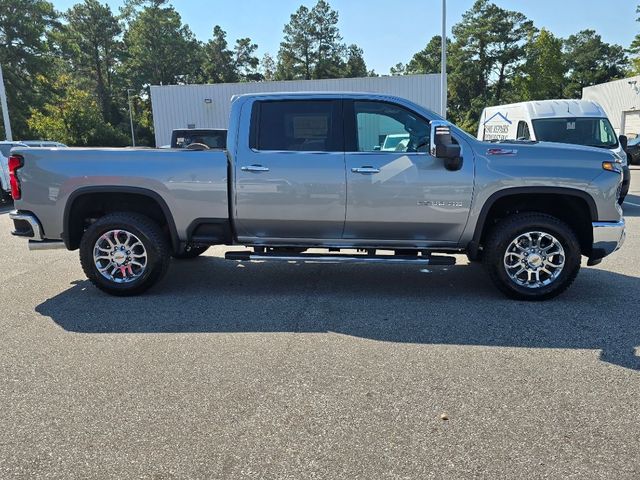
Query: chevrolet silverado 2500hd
x,y
307,171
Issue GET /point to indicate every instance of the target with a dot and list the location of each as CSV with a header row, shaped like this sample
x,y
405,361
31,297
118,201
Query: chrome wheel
x,y
534,259
120,256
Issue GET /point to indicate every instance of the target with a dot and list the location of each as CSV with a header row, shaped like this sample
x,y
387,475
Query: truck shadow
x,y
454,305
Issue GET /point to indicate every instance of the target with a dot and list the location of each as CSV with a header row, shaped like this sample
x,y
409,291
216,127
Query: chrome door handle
x,y
254,168
365,170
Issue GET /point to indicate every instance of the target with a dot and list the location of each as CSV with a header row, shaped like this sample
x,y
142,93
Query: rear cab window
x,y
297,126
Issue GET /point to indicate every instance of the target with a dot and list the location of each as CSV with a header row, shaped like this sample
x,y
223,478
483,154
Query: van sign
x,y
496,127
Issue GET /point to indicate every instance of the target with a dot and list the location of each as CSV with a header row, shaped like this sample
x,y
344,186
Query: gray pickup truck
x,y
306,171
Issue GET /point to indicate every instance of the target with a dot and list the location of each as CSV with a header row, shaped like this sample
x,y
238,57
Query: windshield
x,y
592,132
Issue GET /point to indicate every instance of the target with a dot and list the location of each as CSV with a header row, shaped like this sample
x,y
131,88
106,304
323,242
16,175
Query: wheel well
x,y
571,209
86,208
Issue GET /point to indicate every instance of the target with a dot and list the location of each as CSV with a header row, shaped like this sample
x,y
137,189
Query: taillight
x,y
15,162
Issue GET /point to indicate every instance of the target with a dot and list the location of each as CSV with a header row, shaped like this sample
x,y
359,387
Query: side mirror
x,y
376,148
624,141
442,145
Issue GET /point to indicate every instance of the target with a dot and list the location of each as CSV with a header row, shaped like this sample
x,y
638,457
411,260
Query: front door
x,y
290,179
395,189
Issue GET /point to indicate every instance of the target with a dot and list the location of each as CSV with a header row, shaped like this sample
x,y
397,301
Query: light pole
x,y
5,109
133,135
443,61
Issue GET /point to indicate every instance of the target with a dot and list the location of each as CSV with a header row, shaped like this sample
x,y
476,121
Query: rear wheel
x,y
532,256
124,253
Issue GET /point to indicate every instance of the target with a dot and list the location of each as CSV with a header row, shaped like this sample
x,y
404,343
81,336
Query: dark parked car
x,y
633,151
201,138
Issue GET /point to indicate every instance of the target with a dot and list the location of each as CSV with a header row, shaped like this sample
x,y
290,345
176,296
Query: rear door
x,y
404,195
290,178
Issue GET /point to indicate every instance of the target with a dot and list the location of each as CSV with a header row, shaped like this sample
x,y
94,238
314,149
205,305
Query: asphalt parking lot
x,y
317,371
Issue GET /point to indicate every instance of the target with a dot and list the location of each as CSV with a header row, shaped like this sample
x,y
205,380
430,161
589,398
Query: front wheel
x,y
124,254
532,256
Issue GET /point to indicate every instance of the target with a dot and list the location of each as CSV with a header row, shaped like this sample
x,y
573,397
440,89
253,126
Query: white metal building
x,y
207,106
621,100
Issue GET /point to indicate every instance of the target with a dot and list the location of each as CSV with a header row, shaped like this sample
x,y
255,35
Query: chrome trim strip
x,y
32,220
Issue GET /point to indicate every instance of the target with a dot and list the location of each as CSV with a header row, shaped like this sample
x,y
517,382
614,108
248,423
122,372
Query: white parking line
x,y
629,203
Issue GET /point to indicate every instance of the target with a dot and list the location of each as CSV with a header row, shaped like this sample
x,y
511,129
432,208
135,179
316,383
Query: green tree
x,y
542,76
398,69
245,61
591,61
512,30
429,59
219,64
72,116
90,43
330,50
160,49
355,65
296,55
488,47
25,57
312,47
268,67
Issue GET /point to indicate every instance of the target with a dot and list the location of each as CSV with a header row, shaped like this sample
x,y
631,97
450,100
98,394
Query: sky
x,y
392,31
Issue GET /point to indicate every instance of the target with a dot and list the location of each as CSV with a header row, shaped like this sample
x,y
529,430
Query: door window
x,y
385,127
297,125
523,131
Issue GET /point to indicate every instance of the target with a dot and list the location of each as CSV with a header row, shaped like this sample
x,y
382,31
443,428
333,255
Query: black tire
x,y
189,252
508,230
154,243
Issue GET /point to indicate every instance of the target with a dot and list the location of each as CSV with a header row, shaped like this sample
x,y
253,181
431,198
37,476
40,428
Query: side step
x,y
248,255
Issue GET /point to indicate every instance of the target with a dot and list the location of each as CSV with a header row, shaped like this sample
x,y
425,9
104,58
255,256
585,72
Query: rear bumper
x,y
26,225
607,238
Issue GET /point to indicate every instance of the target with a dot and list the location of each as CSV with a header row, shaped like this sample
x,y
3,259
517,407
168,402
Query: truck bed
x,y
191,184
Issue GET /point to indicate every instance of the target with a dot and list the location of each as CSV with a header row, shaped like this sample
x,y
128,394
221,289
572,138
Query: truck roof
x,y
316,94
557,108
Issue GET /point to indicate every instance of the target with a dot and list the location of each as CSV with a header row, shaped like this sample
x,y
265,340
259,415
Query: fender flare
x,y
173,232
474,245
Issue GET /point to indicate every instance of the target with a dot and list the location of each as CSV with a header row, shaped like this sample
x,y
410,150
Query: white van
x,y
579,122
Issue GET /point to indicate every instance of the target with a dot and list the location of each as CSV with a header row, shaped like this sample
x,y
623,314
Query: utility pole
x,y
133,135
443,61
5,109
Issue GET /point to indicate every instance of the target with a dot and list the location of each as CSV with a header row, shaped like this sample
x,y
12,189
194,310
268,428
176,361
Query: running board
x,y
248,256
